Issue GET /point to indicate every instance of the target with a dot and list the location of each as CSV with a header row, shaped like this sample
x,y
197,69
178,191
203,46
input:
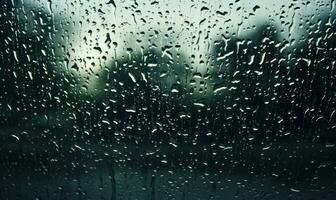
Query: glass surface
x,y
186,100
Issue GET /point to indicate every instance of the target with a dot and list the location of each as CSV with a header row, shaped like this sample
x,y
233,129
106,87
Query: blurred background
x,y
167,99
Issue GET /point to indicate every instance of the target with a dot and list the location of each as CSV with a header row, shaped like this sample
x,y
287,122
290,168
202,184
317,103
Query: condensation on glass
x,y
118,99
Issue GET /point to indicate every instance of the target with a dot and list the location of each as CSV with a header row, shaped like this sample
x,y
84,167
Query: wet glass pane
x,y
135,99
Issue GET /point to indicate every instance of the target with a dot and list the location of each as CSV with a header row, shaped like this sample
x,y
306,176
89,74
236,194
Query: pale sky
x,y
187,18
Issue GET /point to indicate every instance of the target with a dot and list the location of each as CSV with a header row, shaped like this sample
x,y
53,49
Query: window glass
x,y
135,99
